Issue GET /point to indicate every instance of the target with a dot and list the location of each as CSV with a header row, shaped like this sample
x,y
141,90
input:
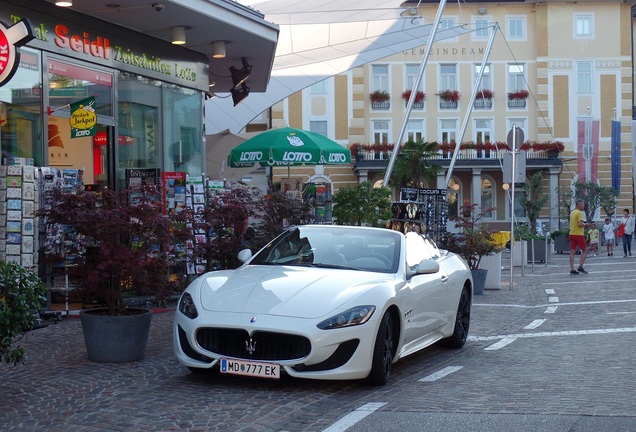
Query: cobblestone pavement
x,y
554,344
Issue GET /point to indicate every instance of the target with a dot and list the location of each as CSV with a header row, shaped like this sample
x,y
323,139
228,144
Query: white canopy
x,y
319,39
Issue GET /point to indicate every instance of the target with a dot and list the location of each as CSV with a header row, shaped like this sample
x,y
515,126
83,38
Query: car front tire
x,y
382,353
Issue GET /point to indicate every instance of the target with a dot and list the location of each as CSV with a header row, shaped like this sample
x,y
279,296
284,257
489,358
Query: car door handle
x,y
444,278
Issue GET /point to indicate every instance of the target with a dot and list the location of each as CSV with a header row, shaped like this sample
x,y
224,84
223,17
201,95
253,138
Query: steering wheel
x,y
380,257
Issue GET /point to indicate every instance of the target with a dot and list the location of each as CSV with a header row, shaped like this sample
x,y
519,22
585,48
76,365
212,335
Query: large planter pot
x,y
540,253
479,280
115,339
562,243
520,253
492,263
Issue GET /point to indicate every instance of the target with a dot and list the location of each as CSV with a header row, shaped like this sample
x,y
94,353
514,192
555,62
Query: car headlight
x,y
351,317
187,307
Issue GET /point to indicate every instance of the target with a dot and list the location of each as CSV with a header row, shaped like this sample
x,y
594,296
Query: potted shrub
x,y
121,245
379,96
473,242
22,293
419,96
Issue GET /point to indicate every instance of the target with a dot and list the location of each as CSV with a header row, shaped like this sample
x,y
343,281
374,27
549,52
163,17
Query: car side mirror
x,y
244,255
427,266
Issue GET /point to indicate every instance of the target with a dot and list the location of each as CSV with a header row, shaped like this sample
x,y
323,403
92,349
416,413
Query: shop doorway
x,y
92,154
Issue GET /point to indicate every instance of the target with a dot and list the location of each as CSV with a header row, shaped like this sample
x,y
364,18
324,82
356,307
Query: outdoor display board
x,y
421,210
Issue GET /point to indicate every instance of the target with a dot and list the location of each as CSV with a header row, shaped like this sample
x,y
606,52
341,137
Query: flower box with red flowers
x,y
484,94
449,95
519,94
419,95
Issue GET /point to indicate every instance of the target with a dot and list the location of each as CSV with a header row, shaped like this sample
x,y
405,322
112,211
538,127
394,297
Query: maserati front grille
x,y
261,345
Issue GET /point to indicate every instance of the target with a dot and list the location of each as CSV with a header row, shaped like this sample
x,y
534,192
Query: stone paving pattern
x,y
60,390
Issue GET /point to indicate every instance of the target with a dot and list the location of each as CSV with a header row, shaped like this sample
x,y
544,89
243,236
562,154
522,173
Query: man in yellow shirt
x,y
577,236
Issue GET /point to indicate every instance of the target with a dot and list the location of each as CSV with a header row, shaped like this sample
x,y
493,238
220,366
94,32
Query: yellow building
x,y
574,58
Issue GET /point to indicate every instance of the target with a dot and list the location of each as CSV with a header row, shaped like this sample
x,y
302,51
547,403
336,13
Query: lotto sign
x,y
10,38
83,118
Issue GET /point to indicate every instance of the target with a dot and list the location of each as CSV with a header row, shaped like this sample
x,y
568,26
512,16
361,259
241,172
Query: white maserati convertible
x,y
325,302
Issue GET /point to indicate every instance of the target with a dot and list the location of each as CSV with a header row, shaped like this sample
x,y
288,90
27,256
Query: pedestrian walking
x,y
592,237
628,223
577,236
608,231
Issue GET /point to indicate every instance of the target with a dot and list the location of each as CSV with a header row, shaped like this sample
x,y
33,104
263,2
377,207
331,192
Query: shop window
x,y
69,83
182,119
20,105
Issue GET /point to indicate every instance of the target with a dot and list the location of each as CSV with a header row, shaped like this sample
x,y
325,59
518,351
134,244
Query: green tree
x,y
565,196
280,209
607,200
412,166
21,295
595,196
362,204
533,198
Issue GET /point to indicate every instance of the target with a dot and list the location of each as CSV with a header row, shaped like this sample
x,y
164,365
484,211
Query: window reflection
x,y
20,105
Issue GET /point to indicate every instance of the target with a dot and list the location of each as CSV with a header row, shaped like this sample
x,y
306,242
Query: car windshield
x,y
419,247
365,249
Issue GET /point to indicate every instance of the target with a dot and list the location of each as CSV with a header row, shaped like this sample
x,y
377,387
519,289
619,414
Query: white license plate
x,y
247,368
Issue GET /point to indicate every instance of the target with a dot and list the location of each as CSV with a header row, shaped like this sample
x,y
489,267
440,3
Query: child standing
x,y
608,230
592,237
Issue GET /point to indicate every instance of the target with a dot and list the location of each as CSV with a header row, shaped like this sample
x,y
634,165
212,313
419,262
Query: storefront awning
x,y
244,30
319,39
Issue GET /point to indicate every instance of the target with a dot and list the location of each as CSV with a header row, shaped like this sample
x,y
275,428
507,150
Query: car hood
x,y
285,291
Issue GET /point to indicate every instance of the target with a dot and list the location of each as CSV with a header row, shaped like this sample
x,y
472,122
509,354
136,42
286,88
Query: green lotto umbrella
x,y
288,146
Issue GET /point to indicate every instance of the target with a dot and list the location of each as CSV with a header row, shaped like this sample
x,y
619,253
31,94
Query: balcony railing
x,y
483,103
494,154
373,155
381,105
516,103
464,154
445,104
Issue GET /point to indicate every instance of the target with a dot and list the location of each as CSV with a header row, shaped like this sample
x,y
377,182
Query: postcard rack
x,y
421,210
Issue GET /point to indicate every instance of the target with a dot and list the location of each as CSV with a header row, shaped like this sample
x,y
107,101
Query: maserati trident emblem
x,y
250,346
